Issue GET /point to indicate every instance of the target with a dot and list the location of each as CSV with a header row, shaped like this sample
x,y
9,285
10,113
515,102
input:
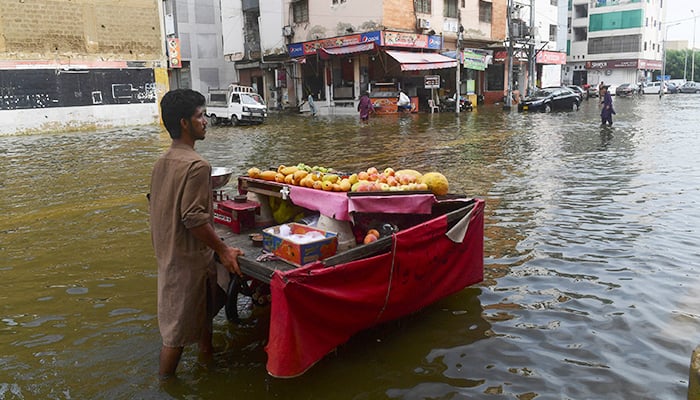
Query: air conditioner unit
x,y
423,23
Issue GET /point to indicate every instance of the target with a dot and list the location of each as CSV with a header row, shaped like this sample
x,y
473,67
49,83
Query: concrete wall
x,y
327,20
31,121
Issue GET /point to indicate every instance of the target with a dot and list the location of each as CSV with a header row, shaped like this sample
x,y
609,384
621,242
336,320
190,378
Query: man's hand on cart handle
x,y
227,255
229,259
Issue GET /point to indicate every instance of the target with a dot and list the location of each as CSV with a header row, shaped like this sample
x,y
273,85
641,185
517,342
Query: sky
x,y
679,11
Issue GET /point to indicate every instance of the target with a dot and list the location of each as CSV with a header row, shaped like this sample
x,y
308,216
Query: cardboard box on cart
x,y
299,254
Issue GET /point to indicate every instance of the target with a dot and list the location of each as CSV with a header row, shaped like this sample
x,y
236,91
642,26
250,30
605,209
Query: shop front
x,y
549,68
622,71
337,71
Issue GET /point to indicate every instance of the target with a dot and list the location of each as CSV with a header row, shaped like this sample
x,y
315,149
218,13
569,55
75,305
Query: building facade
x,y
615,41
83,63
334,50
193,31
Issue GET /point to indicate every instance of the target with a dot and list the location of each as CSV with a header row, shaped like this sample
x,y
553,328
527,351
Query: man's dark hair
x,y
178,104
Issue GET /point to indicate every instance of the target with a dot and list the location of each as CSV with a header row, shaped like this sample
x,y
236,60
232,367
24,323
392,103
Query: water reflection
x,y
590,245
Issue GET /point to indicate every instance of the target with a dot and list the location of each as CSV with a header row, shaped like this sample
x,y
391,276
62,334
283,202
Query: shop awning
x,y
421,61
351,49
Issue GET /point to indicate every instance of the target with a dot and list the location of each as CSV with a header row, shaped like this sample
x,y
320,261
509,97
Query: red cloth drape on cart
x,y
315,309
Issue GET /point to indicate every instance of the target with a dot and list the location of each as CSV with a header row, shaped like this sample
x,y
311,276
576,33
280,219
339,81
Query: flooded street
x,y
591,246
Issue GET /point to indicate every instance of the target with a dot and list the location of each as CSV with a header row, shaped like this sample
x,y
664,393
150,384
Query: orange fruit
x,y
370,238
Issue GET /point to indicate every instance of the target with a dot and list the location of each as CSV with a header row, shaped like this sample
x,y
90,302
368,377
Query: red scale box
x,y
235,215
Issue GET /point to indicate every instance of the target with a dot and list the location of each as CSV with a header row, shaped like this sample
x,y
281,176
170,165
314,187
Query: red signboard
x,y
550,57
174,53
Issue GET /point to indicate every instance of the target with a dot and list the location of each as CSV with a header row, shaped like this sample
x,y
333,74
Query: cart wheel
x,y
239,300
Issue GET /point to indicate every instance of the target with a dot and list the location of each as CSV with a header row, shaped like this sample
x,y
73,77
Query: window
x,y
484,11
553,2
552,33
423,6
615,44
451,8
301,11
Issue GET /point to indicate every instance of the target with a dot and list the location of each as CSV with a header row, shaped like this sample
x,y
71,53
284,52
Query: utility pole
x,y
459,65
533,54
509,90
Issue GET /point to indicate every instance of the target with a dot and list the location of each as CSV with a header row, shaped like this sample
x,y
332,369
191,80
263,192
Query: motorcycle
x,y
464,104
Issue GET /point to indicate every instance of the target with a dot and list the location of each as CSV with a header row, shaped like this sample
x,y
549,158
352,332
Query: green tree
x,y
677,67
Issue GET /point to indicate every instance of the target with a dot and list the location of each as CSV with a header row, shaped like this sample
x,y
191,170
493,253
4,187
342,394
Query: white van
x,y
237,104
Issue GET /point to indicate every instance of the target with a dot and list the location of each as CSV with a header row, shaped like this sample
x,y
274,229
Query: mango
x,y
268,175
288,170
412,172
436,182
254,172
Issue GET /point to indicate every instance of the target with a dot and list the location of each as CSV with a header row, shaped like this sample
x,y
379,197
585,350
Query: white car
x,y
653,88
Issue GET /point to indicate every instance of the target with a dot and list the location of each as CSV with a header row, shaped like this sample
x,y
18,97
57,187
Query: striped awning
x,y
411,61
339,51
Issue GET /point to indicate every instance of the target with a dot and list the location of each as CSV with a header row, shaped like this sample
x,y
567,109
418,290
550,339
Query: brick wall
x,y
80,29
498,19
399,15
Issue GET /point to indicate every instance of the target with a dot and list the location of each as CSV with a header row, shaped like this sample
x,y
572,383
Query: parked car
x,y
551,98
671,87
653,88
690,87
593,91
582,94
626,89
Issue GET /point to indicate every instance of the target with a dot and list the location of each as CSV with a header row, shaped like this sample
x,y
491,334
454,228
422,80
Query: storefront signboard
x,y
381,38
413,40
431,81
312,46
635,63
474,59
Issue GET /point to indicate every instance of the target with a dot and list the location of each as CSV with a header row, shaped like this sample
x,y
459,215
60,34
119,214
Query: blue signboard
x,y
665,78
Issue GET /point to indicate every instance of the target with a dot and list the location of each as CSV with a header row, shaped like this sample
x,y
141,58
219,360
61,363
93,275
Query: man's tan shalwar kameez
x,y
180,199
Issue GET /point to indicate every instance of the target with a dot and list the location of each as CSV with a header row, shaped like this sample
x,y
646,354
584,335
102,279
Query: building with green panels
x,y
614,41
616,20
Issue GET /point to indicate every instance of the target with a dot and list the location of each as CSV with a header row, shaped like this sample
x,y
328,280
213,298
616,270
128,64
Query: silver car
x,y
690,87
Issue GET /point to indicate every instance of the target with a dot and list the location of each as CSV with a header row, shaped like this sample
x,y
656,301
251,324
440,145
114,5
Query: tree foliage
x,y
678,68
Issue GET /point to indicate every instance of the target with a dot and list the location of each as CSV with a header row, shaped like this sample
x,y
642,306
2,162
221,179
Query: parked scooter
x,y
465,104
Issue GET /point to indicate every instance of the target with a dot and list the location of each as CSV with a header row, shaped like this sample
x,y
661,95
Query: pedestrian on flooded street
x,y
365,107
608,111
183,236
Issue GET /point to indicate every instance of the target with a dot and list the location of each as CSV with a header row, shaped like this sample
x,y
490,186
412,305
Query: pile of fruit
x,y
371,180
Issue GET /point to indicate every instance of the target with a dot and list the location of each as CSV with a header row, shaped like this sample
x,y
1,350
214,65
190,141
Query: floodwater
x,y
591,245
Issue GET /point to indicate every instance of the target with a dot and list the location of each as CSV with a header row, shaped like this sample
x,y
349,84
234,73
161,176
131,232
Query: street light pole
x,y
692,69
663,59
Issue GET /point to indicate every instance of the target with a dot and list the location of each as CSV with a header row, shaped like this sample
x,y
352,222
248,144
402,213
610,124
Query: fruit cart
x,y
433,249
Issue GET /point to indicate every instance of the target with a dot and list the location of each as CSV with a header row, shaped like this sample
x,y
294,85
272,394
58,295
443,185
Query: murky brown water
x,y
591,246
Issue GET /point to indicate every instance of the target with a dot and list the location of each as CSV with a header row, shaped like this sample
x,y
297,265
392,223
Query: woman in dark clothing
x,y
607,112
365,106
